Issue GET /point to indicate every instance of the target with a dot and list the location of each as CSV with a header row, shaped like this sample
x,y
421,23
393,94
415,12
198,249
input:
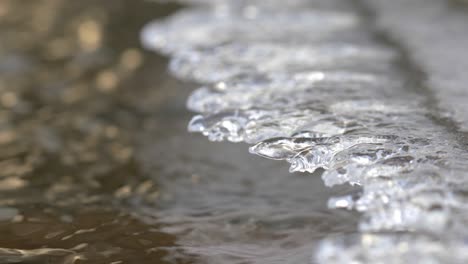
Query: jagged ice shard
x,y
311,83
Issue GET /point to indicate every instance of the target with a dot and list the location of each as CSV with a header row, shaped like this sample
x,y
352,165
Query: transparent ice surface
x,y
245,58
204,28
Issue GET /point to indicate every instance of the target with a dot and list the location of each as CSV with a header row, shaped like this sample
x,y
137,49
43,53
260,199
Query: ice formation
x,y
318,89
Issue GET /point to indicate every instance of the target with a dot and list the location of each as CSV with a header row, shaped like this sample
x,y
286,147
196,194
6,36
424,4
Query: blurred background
x,y
75,87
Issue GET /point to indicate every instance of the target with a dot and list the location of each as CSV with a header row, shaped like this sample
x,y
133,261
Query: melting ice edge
x,y
308,82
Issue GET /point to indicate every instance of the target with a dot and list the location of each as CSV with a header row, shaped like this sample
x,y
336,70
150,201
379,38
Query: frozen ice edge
x,y
412,174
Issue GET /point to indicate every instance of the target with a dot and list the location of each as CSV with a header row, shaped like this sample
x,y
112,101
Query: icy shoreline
x,y
319,91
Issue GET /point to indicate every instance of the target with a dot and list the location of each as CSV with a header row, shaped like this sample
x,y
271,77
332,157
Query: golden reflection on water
x,y
70,78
